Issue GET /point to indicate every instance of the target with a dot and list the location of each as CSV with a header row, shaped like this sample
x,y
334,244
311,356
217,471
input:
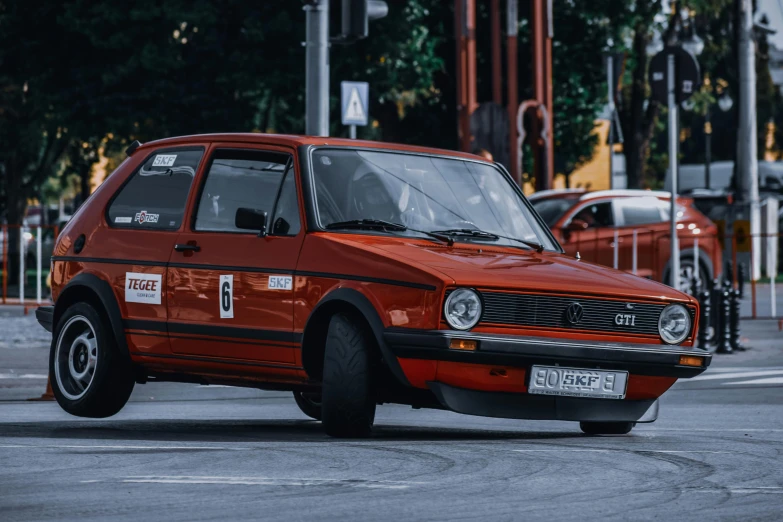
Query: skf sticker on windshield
x,y
280,282
126,219
164,160
143,217
142,288
227,296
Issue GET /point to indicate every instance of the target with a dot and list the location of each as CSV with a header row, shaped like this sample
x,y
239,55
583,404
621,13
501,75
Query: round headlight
x,y
462,309
674,325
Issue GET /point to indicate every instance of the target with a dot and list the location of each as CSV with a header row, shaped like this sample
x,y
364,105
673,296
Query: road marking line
x,y
619,450
740,490
116,446
733,375
265,481
23,376
769,380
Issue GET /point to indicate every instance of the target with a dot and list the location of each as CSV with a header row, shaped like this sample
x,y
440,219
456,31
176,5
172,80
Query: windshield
x,y
551,209
423,193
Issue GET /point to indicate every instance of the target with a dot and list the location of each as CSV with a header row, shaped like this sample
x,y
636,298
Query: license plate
x,y
573,382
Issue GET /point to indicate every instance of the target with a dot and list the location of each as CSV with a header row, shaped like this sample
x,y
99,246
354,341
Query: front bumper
x,y
521,352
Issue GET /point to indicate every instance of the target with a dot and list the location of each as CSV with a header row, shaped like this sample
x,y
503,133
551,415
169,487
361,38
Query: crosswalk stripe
x,y
712,376
769,380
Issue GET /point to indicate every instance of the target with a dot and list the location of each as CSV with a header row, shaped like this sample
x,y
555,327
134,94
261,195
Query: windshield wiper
x,y
489,236
372,224
468,232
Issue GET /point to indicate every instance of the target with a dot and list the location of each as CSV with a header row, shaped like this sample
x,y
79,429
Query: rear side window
x,y
242,179
156,195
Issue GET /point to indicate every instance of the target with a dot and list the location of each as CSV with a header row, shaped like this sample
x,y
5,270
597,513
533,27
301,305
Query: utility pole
x,y
317,68
674,273
747,141
610,86
512,30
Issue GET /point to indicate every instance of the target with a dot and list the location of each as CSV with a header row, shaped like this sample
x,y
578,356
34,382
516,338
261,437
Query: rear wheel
x,y
309,403
607,428
90,378
348,402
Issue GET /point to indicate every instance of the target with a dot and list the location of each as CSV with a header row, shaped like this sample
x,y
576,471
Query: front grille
x,y
549,311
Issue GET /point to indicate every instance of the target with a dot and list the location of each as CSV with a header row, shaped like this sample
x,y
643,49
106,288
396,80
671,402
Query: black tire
x,y
348,402
111,379
607,428
309,403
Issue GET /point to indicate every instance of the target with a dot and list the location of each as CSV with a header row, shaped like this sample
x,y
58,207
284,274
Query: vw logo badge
x,y
573,313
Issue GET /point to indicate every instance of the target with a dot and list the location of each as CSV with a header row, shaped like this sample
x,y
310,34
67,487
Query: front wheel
x,y
90,377
607,428
348,402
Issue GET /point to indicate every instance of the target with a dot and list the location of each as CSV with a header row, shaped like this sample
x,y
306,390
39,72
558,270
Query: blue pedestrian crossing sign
x,y
355,98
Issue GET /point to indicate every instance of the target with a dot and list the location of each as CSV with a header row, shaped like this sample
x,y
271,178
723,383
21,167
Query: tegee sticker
x,y
142,288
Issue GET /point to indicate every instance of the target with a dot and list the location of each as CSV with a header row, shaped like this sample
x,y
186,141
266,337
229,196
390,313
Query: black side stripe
x,y
196,266
211,339
216,331
217,361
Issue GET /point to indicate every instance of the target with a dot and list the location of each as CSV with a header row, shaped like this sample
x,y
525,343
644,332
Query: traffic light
x,y
356,15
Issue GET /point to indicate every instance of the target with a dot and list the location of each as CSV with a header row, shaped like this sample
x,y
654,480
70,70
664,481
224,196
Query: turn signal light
x,y
691,360
463,344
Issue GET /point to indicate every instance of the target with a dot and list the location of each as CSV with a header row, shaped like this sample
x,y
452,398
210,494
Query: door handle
x,y
187,248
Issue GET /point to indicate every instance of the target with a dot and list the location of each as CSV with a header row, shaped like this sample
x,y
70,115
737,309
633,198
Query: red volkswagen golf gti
x,y
352,274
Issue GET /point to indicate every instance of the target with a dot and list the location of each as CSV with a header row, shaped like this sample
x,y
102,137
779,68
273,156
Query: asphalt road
x,y
186,452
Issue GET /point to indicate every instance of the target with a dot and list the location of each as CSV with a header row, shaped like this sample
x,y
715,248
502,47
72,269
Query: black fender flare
x,y
370,314
103,290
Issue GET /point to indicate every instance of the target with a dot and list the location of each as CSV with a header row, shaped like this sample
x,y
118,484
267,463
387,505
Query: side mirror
x,y
576,225
251,219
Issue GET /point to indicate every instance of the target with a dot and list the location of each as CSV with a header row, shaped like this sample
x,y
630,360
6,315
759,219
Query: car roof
x,y
295,140
598,194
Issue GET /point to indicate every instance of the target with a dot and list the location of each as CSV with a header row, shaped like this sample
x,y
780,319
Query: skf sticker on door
x,y
280,283
142,288
227,296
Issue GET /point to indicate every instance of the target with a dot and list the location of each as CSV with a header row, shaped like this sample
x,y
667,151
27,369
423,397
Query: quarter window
x,y
246,179
641,211
156,195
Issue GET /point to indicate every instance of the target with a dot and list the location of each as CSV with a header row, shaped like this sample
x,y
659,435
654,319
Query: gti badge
x,y
574,312
625,320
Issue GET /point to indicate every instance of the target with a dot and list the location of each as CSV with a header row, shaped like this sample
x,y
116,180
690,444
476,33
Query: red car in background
x,y
588,222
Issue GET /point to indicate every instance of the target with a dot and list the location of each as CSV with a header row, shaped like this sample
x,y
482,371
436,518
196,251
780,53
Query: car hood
x,y
490,266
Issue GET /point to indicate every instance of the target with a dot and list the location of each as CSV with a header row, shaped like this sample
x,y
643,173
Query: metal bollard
x,y
704,324
735,321
724,329
741,280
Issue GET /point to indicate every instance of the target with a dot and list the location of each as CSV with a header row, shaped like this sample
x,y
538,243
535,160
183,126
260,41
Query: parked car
x,y
587,222
353,274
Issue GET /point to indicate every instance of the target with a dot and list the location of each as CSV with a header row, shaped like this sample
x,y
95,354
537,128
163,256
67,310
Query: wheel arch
x,y
355,303
92,289
704,259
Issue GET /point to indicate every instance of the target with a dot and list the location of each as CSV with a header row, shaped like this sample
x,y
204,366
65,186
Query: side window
x,y
640,211
596,215
155,196
285,221
239,179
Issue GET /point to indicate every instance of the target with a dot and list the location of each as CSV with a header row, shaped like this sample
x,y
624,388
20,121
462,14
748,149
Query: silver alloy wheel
x,y
76,357
686,275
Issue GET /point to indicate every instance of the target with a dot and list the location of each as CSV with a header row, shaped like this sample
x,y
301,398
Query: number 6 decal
x,y
226,296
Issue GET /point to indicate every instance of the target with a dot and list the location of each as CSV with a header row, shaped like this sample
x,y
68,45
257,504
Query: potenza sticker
x,y
142,288
280,282
164,160
119,219
145,217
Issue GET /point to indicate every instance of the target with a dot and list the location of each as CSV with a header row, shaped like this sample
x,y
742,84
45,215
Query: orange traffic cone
x,y
48,395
